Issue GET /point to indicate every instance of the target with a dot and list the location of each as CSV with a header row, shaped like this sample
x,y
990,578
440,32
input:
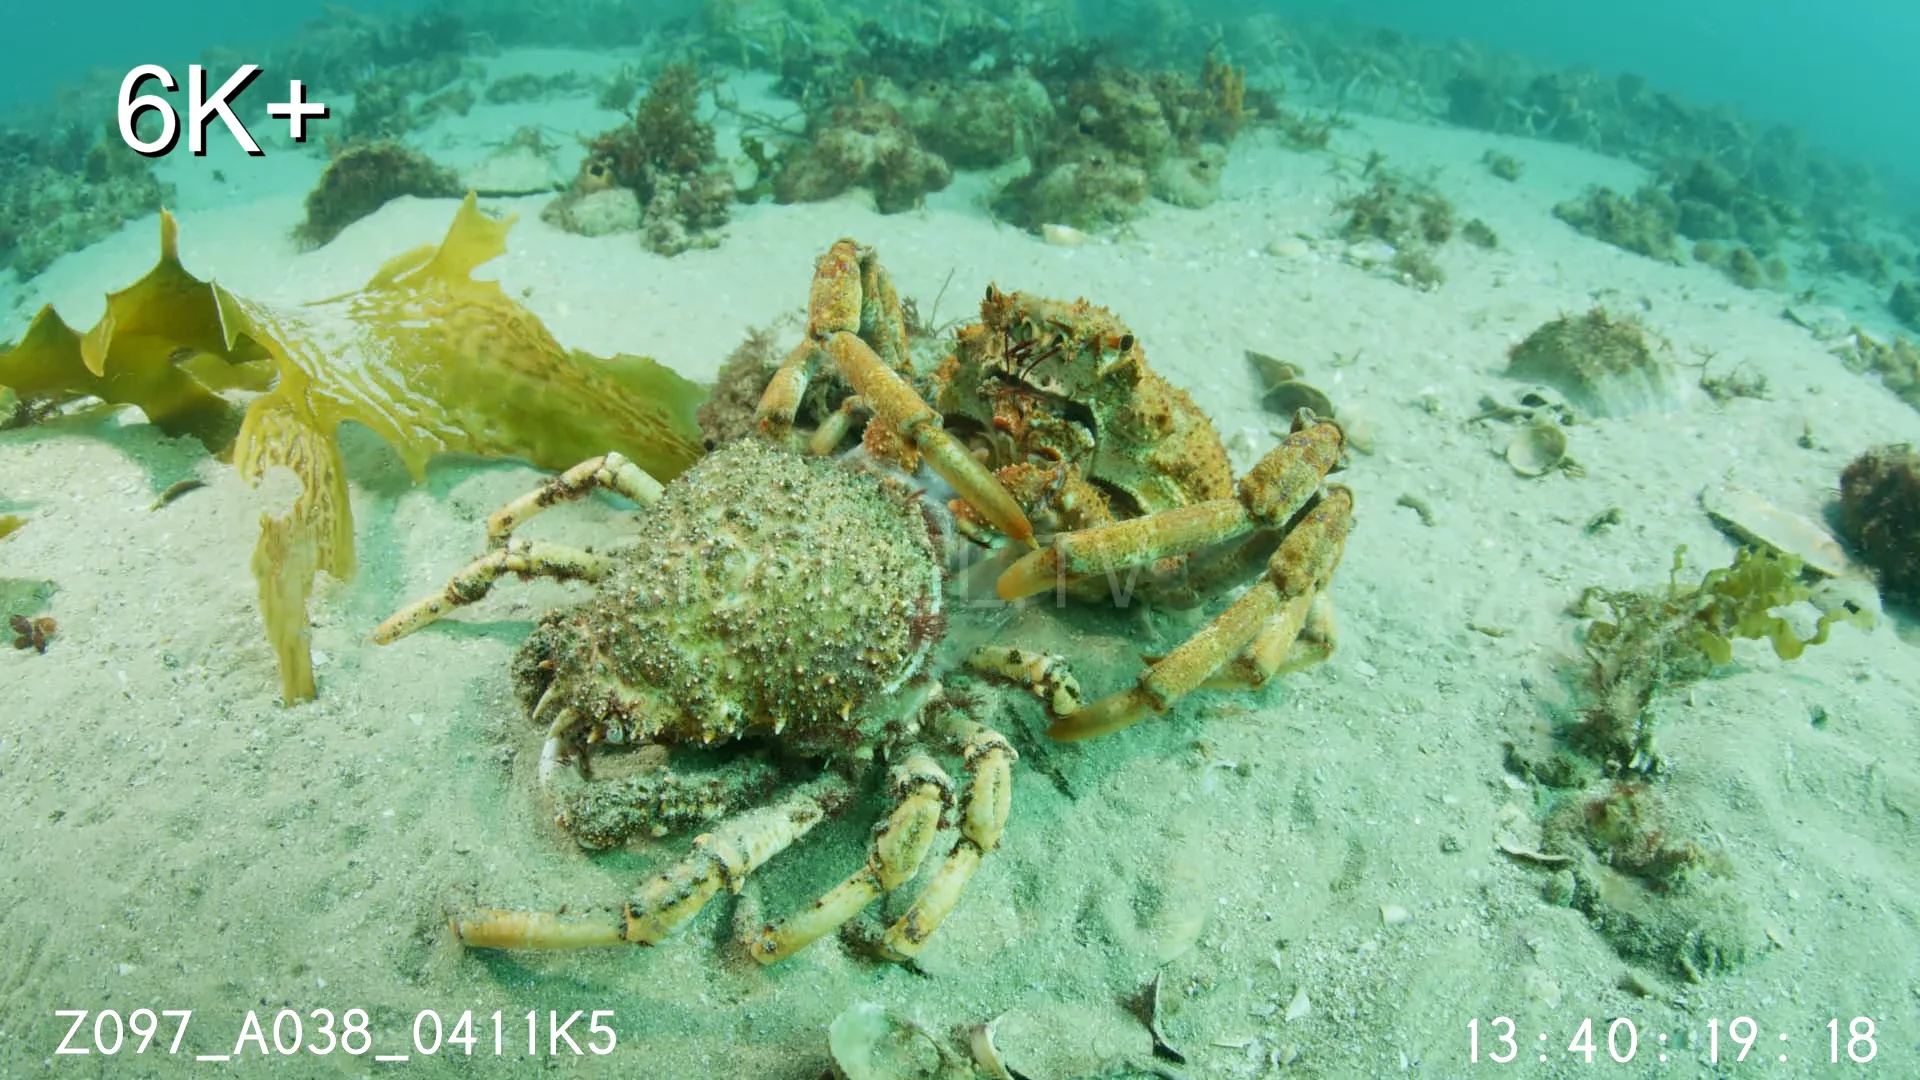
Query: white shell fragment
x,y
1063,235
985,1053
1394,914
1537,448
1755,520
1300,1007
868,1043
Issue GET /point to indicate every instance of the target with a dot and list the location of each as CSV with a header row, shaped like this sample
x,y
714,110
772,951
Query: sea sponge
x,y
425,356
1601,363
1880,515
862,142
365,177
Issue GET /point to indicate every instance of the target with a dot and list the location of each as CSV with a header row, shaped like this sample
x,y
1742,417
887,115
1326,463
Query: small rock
x,y
1300,1007
598,214
516,170
1394,914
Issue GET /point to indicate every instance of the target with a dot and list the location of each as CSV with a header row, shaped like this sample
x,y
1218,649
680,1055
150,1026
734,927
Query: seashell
x,y
985,1053
1362,430
1063,235
1289,247
1272,370
1288,398
868,1043
1753,519
1538,448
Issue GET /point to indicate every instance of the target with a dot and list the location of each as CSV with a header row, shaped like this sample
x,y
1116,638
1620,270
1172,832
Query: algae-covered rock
x,y
863,142
1603,364
1190,181
666,157
365,177
1646,223
594,213
1905,303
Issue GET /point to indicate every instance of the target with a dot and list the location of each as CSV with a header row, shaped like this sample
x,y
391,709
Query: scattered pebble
x,y
1394,914
1300,1007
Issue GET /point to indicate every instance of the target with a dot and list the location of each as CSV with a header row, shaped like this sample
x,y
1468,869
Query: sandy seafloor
x,y
175,838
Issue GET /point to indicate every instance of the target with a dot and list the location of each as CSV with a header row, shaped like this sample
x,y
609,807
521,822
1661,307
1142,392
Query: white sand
x,y
174,838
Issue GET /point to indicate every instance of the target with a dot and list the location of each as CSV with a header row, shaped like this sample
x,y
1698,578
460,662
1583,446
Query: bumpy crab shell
x,y
768,594
1069,382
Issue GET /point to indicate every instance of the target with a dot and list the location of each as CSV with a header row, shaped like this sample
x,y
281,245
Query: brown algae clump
x,y
1880,515
1601,363
1647,223
666,158
365,177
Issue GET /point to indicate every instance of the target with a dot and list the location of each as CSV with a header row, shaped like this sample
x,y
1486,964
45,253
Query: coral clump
x,y
1602,364
1880,515
365,177
666,157
861,142
425,356
1646,223
1656,640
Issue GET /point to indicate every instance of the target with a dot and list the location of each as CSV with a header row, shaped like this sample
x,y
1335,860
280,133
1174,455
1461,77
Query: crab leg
x,y
1280,647
1283,596
983,816
850,297
1044,675
721,858
610,471
900,407
527,558
921,792
1270,494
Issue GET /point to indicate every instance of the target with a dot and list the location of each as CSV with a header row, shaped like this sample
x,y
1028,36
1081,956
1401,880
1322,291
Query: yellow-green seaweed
x,y
1654,640
424,355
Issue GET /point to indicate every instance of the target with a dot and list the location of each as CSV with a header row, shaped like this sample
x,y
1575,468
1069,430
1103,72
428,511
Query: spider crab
x,y
782,612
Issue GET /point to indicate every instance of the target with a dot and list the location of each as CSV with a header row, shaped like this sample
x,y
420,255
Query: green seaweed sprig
x,y
1655,640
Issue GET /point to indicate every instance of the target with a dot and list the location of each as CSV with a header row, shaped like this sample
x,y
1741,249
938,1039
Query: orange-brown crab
x,y
782,609
1124,471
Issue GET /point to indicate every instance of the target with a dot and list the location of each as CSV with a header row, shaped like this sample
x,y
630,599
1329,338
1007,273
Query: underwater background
x,y
1484,638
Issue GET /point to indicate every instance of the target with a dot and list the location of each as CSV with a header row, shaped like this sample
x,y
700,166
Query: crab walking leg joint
x,y
922,791
984,807
850,292
721,858
1269,495
611,472
525,558
1282,598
